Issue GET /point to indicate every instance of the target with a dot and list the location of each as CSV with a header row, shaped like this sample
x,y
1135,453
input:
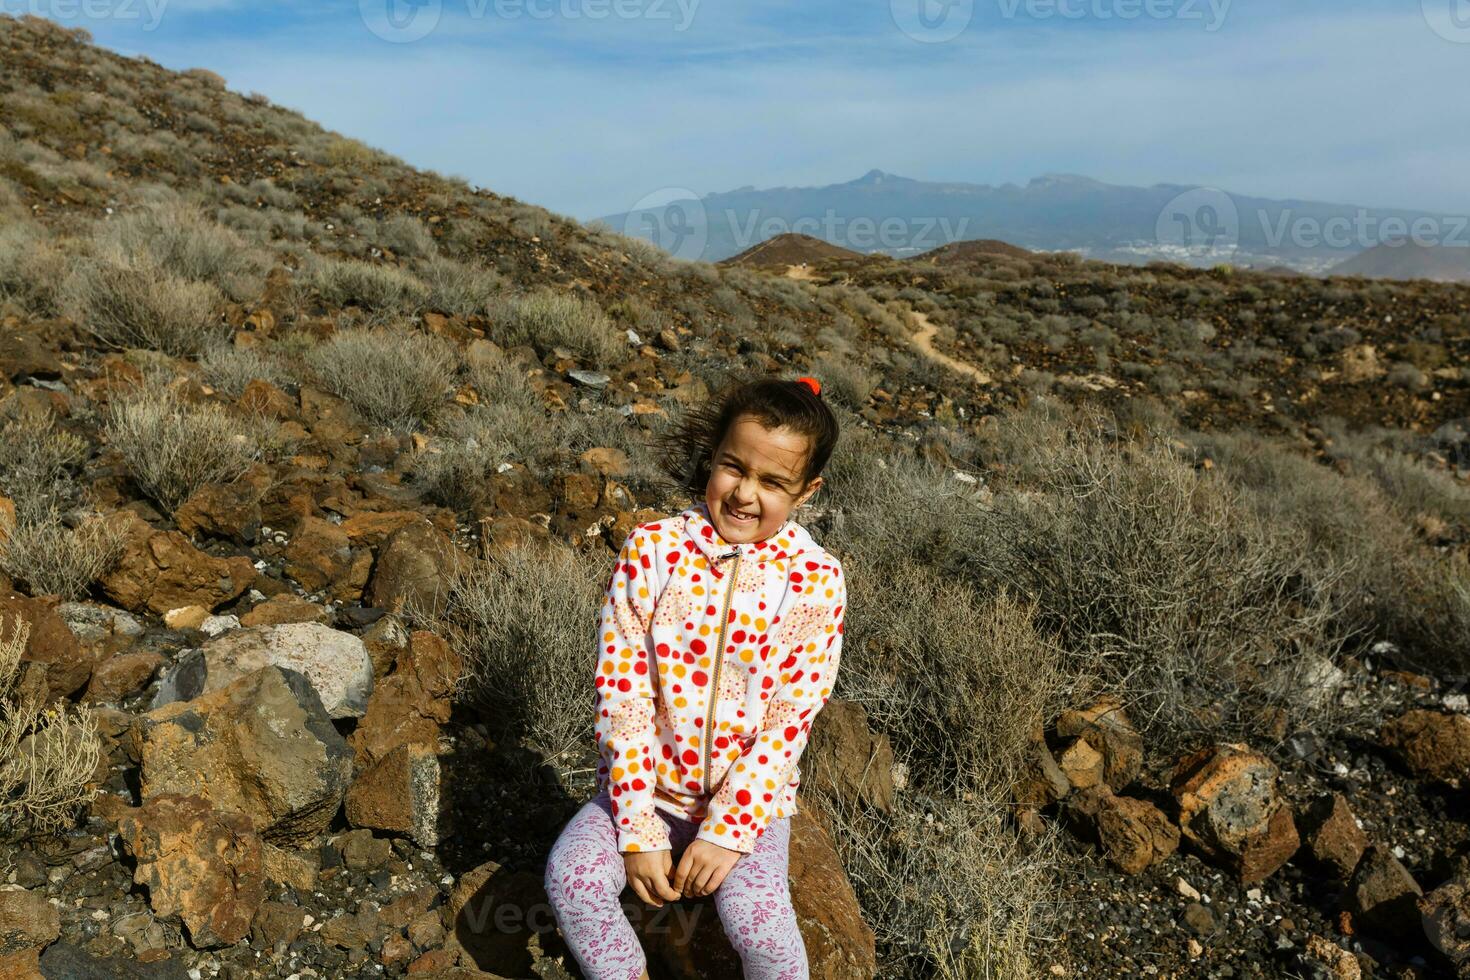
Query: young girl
x,y
721,631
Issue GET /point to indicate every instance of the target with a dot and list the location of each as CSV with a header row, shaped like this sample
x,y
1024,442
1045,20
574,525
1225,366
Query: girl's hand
x,y
703,867
648,876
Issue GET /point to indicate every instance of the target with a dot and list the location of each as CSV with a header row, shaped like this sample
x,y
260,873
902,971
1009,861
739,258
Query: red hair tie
x,y
812,383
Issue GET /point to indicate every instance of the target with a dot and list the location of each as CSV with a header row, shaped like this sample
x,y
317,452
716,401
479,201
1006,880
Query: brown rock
x,y
319,554
396,950
413,570
845,761
198,863
399,794
1432,744
492,917
1105,727
1333,837
1081,764
608,462
127,673
22,965
1134,834
286,608
227,510
298,868
1446,915
263,398
161,570
372,528
51,643
262,746
27,919
276,922
363,851
1230,810
399,712
1041,782
185,618
1383,896
1338,962
386,641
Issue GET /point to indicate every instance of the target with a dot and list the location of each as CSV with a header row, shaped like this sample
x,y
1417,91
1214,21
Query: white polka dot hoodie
x,y
699,635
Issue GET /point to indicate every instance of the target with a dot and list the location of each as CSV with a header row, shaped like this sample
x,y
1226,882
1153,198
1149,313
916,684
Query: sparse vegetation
x,y
137,305
51,558
548,319
48,754
394,377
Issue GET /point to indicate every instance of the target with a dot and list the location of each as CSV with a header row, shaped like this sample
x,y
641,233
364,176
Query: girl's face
x,y
755,480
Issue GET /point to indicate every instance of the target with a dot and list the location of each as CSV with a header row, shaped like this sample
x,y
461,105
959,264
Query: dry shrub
x,y
957,681
54,559
378,288
140,305
520,619
844,379
172,447
181,241
48,754
1385,582
459,288
30,267
394,377
454,469
230,369
1161,583
37,458
549,319
947,888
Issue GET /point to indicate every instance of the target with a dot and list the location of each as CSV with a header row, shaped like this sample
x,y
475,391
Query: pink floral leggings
x,y
585,877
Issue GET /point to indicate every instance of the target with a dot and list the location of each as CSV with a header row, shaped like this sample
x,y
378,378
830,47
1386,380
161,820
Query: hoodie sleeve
x,y
625,701
741,807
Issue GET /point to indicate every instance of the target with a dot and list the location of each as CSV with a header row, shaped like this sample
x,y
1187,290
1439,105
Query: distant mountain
x,y
784,251
978,250
1407,259
903,217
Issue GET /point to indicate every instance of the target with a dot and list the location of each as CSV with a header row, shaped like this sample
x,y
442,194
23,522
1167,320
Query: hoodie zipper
x,y
714,689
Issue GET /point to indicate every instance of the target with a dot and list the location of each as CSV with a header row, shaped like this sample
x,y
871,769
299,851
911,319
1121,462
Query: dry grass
x,y
51,558
380,289
229,368
138,305
181,241
172,447
48,754
30,267
550,319
37,459
520,621
394,377
459,288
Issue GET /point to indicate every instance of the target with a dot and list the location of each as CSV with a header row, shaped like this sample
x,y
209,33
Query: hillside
x,y
784,251
313,466
1409,260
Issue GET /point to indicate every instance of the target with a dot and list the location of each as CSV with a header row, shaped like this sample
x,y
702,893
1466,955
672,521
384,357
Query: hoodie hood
x,y
792,539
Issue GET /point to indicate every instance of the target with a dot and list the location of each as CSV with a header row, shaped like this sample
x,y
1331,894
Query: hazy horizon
x,y
588,106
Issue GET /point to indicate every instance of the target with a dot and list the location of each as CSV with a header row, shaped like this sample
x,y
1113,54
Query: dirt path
x,y
800,272
924,340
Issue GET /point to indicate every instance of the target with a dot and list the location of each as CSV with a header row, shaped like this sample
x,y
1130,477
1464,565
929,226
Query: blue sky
x,y
587,106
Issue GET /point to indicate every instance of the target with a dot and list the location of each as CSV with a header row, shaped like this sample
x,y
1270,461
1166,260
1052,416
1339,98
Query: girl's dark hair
x,y
687,449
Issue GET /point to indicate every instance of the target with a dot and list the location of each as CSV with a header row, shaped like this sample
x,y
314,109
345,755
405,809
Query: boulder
x,y
66,961
118,677
1383,895
1230,810
1338,963
1081,764
413,570
27,920
51,643
1041,782
198,863
1431,744
845,761
409,705
161,570
399,794
336,663
262,746
286,608
319,557
1134,833
227,510
1333,837
1446,916
1106,728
